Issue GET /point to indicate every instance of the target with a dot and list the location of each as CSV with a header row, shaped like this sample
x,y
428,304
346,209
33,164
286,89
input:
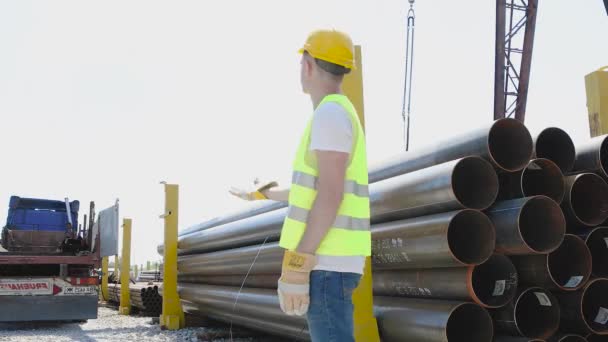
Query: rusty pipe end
x,y
494,283
537,313
597,242
510,144
469,322
543,177
594,306
556,145
471,237
570,265
587,199
541,224
474,183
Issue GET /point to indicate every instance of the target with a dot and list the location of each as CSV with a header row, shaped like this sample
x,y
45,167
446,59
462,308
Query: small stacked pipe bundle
x,y
145,298
153,276
469,244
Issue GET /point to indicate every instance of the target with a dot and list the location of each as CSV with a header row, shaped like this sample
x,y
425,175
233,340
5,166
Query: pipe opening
x,y
475,183
589,199
469,323
597,241
537,313
597,338
510,144
572,338
471,237
570,264
542,224
495,281
556,145
543,177
604,157
595,306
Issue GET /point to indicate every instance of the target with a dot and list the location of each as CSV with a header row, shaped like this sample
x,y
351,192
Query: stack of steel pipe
x,y
145,298
154,276
475,239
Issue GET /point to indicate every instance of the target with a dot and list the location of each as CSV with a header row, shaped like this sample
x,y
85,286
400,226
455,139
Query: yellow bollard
x,y
596,85
125,280
172,317
105,294
366,327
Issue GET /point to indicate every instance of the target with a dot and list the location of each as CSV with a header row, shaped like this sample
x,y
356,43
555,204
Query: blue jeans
x,y
330,314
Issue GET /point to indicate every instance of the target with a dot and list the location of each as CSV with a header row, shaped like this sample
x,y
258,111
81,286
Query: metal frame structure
x,y
514,44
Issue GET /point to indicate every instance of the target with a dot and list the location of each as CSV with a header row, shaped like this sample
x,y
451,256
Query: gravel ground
x,y
109,326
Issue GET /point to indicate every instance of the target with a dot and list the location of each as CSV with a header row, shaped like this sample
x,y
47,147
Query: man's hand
x,y
294,284
256,193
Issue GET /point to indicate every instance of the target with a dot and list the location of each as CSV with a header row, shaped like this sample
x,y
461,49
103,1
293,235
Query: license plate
x,y
79,290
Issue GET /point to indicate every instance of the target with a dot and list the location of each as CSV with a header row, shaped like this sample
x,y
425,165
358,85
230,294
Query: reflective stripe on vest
x,y
310,181
350,233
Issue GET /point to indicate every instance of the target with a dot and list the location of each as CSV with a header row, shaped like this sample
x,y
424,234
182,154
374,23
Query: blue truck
x,y
48,260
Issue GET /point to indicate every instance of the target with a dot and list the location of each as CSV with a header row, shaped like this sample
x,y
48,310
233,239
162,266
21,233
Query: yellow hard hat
x,y
331,46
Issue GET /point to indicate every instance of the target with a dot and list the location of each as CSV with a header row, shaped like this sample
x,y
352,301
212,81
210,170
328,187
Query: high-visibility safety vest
x,y
350,233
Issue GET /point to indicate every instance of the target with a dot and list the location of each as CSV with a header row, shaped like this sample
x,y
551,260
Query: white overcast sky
x,y
102,100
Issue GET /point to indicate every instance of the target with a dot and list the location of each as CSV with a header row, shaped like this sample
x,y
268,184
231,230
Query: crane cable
x,y
409,62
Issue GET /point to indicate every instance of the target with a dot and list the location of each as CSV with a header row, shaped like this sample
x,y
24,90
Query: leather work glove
x,y
294,284
256,193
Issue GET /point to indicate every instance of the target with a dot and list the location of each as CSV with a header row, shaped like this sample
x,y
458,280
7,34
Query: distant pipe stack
x,y
145,298
492,225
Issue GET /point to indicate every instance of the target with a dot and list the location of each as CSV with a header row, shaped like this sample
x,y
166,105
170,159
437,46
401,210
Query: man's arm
x,y
275,194
332,169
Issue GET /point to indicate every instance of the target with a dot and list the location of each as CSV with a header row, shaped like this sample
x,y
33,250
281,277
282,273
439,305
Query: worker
x,y
326,232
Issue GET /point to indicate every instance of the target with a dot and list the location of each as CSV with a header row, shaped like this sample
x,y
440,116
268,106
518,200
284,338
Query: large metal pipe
x,y
506,143
264,281
236,261
585,311
586,201
534,314
556,145
452,239
566,268
291,331
469,182
592,156
253,209
491,284
567,338
531,225
540,177
597,241
425,320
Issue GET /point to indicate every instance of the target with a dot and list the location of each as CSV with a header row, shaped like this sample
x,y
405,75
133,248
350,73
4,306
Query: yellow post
x,y
366,328
596,85
125,280
172,317
105,294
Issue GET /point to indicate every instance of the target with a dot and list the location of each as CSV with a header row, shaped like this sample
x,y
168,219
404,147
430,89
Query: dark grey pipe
x,y
566,338
539,177
597,241
491,284
586,201
567,268
506,143
426,320
531,225
534,313
585,311
592,156
556,145
470,182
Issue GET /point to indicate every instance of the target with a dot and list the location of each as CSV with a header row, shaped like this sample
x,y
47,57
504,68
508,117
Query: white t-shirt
x,y
332,130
